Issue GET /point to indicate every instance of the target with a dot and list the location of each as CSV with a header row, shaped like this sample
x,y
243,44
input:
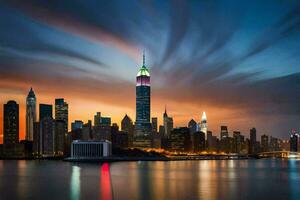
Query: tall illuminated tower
x,y
30,114
143,94
204,123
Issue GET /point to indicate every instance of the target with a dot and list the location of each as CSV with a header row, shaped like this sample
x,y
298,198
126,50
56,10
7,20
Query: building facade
x,y
62,112
90,149
11,123
143,96
30,114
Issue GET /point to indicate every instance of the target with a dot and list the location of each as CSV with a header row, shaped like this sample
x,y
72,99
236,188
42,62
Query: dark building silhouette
x,y
264,143
62,112
77,124
199,141
224,132
45,111
10,123
180,139
127,126
253,142
154,124
294,140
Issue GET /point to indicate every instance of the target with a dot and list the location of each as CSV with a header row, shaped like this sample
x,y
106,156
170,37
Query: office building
x,y
168,124
45,111
180,139
62,112
294,141
90,149
253,142
143,96
30,114
10,124
77,124
154,124
264,143
224,132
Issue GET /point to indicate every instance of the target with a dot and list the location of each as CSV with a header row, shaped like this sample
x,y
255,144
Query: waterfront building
x,y
127,126
204,123
47,136
77,124
154,124
168,124
90,149
119,139
224,132
199,141
238,141
45,111
59,137
294,141
10,124
143,96
264,143
62,112
30,114
274,144
180,139
253,142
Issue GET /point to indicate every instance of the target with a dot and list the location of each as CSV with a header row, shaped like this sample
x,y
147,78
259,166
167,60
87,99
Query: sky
x,y
239,61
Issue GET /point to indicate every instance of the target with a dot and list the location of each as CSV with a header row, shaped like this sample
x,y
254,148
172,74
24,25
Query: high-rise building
x,y
47,136
252,145
61,112
224,132
77,124
193,126
294,140
143,95
168,124
154,124
59,137
30,114
180,139
11,123
127,126
264,143
101,121
198,141
97,119
204,123
45,111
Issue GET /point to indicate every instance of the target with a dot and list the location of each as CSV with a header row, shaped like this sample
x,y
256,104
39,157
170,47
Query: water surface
x,y
209,180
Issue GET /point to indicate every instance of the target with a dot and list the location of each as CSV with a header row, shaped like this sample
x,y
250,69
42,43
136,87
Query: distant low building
x,y
90,149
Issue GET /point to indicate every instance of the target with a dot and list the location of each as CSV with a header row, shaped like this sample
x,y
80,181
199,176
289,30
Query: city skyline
x,y
244,77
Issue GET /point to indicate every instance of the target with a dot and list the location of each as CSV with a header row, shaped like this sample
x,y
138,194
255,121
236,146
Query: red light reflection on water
x,y
105,183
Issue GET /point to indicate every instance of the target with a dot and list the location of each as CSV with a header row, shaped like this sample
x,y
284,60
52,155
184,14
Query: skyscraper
x,y
154,124
30,114
45,111
252,145
97,119
62,112
168,123
11,123
224,132
143,93
204,123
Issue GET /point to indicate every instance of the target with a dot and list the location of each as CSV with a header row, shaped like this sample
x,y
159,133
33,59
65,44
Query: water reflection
x,y
105,183
75,183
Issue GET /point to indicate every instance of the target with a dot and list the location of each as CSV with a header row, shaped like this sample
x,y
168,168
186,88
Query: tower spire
x,y
144,58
